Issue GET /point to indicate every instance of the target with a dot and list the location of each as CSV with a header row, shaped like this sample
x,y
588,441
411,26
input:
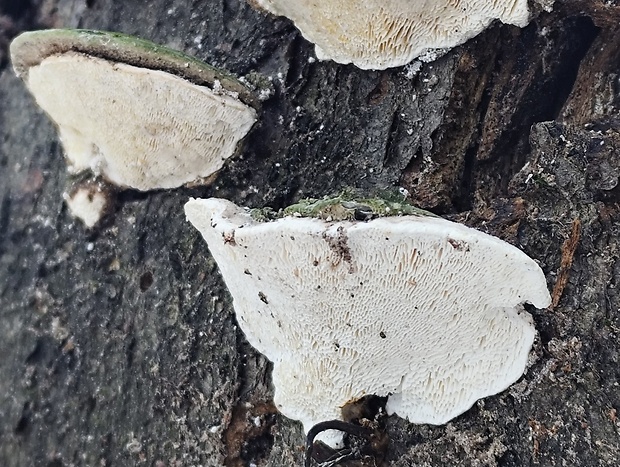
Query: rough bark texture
x,y
118,346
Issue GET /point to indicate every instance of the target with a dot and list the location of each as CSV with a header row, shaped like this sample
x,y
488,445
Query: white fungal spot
x,y
419,309
87,203
412,69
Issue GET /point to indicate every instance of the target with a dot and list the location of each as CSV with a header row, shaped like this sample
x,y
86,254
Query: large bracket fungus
x,y
141,115
379,34
417,308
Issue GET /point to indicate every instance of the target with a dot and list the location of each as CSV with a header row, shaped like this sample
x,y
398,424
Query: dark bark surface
x,y
118,346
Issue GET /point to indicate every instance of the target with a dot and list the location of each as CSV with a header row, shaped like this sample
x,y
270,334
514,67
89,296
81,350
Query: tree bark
x,y
118,345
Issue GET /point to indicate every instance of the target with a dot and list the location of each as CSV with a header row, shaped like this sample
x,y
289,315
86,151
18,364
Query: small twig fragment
x,y
568,253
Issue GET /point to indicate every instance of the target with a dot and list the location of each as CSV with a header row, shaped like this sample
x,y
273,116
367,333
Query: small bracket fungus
x,y
141,115
417,308
379,34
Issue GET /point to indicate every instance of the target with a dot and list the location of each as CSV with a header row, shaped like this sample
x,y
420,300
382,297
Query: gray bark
x,y
119,346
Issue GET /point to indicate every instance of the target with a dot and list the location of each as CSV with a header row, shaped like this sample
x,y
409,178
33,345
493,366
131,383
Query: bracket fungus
x,y
379,34
141,115
420,309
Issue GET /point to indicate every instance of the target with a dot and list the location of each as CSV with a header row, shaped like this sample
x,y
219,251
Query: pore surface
x,y
141,128
378,34
421,309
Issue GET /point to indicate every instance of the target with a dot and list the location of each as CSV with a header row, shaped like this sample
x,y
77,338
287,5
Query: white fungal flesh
x,y
378,34
87,204
137,127
420,309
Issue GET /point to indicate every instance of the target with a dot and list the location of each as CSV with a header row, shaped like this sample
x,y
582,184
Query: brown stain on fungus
x,y
459,245
338,244
229,238
263,298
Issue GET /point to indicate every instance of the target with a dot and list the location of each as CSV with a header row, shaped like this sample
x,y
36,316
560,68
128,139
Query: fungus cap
x,y
141,115
420,309
379,34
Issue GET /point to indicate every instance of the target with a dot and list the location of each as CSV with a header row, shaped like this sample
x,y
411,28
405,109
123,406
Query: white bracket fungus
x,y
417,308
141,115
379,34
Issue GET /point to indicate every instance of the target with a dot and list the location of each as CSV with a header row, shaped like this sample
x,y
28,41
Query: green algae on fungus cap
x,y
141,115
426,312
346,206
31,48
